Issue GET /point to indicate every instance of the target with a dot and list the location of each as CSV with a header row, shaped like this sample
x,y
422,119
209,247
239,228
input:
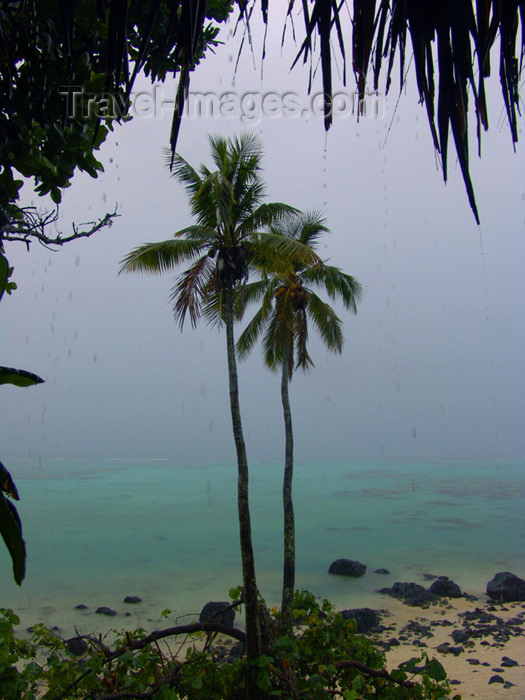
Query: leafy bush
x,y
324,659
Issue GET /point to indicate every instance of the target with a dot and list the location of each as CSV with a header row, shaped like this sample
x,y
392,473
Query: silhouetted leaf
x,y
7,485
11,531
18,377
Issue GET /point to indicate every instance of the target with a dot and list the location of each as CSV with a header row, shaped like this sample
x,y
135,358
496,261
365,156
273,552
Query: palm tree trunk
x,y
253,631
289,520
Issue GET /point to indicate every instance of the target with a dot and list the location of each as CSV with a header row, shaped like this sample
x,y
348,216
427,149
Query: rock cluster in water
x,y
505,587
414,594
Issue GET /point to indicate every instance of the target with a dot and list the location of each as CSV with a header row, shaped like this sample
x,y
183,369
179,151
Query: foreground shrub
x,y
325,658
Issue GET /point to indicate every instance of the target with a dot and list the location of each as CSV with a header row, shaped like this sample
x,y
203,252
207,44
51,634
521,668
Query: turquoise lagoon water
x,y
97,531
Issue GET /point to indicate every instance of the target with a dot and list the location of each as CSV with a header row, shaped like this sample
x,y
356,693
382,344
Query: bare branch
x,y
135,644
32,226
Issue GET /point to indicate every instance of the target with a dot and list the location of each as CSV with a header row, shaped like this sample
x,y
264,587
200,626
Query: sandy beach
x,y
470,665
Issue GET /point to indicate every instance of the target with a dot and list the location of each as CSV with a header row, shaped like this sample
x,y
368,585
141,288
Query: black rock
x,y
381,571
506,587
471,598
236,652
410,593
473,662
444,587
105,611
496,679
508,663
133,599
81,607
220,612
347,567
447,648
366,618
460,636
76,646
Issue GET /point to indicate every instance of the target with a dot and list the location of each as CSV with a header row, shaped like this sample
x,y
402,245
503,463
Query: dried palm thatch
x,y
451,48
446,35
451,45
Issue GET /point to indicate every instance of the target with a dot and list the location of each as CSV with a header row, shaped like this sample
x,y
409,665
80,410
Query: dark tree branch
x,y
135,644
33,225
372,672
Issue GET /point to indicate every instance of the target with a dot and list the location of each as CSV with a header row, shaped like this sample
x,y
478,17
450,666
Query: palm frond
x,y
206,236
251,334
189,291
212,307
327,322
264,216
305,227
303,360
337,284
254,292
279,253
182,171
156,258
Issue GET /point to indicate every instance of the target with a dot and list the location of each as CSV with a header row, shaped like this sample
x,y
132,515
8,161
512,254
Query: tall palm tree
x,y
231,235
287,303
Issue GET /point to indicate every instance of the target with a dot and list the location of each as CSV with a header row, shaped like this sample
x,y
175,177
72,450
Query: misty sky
x,y
433,364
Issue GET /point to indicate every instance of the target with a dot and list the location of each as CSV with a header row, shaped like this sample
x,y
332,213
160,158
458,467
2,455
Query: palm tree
x,y
231,235
288,302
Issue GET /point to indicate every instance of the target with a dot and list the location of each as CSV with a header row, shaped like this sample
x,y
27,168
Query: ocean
x,y
99,530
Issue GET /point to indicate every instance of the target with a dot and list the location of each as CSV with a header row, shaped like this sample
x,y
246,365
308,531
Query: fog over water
x,y
433,364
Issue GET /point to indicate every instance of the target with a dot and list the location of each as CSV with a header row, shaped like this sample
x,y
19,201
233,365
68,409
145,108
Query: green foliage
x,y
5,273
18,377
325,659
11,526
50,50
